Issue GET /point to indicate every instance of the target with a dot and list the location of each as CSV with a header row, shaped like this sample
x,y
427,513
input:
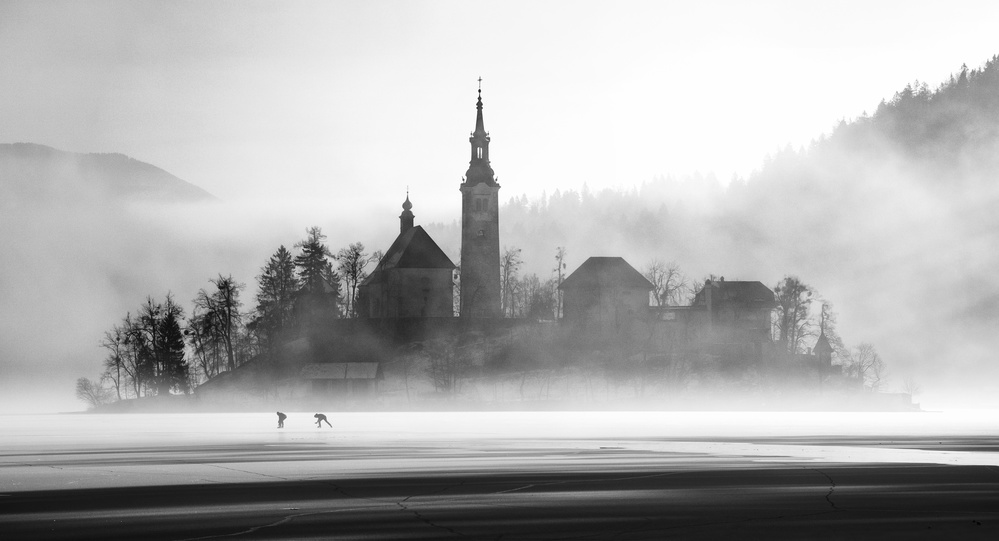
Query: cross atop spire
x,y
480,129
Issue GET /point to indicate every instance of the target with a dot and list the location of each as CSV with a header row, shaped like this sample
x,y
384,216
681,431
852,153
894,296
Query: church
x,y
415,278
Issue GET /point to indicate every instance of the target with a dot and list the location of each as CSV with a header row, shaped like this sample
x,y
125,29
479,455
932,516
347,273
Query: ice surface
x,y
43,452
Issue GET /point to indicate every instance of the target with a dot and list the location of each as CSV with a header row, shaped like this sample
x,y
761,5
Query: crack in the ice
x,y
275,524
249,472
406,505
403,505
425,520
832,488
446,488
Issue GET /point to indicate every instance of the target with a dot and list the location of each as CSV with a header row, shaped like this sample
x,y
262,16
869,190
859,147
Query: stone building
x,y
480,245
605,295
415,278
732,319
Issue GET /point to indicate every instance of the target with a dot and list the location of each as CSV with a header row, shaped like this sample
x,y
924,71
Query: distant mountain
x,y
31,173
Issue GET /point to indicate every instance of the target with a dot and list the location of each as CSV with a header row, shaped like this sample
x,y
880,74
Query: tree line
x,y
159,350
799,316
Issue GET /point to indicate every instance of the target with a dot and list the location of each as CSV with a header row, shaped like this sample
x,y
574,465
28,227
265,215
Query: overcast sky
x,y
347,103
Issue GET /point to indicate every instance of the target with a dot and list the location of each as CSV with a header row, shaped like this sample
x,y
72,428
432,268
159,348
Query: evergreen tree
x,y
277,287
316,301
174,374
144,337
314,268
157,336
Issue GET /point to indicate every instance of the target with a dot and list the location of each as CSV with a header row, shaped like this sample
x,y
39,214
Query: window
x,y
478,204
478,152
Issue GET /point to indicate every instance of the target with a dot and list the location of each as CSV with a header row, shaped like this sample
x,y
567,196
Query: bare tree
x,y
351,263
510,264
534,298
447,365
133,353
560,269
827,325
115,364
217,315
92,392
669,286
792,323
910,387
867,366
209,353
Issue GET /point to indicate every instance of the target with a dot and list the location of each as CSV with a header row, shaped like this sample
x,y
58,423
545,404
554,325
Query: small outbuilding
x,y
342,380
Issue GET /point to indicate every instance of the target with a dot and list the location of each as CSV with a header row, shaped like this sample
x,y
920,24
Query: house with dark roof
x,y
731,320
744,306
605,294
415,278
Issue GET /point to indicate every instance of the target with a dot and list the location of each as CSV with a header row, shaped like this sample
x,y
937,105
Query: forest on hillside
x,y
890,215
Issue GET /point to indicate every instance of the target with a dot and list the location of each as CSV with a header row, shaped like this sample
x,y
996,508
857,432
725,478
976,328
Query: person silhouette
x,y
281,418
320,419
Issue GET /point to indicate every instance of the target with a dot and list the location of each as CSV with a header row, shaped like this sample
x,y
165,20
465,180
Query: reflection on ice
x,y
118,430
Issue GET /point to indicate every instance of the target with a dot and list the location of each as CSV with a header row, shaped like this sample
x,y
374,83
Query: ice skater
x,y
320,419
281,418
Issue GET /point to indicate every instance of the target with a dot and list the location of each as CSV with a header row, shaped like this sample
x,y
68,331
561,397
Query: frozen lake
x,y
236,475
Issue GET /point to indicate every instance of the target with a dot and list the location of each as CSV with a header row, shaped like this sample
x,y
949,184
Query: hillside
x,y
31,173
83,236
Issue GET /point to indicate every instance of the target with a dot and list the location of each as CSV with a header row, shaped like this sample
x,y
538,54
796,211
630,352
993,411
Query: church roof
x,y
599,272
736,291
822,344
412,249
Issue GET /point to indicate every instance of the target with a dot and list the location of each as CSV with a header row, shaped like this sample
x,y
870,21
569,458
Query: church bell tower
x,y
480,249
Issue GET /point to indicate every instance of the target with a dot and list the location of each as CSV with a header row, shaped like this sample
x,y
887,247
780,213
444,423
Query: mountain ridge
x,y
36,173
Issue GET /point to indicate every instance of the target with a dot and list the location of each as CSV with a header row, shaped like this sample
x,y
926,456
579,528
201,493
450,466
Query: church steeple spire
x,y
480,260
406,218
480,129
479,170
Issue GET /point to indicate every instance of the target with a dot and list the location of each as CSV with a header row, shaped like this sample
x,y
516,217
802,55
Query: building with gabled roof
x,y
605,293
742,306
731,320
415,278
